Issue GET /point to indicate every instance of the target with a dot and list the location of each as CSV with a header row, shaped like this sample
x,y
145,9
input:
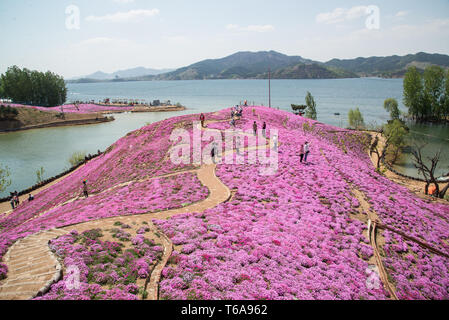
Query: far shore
x,y
30,118
141,109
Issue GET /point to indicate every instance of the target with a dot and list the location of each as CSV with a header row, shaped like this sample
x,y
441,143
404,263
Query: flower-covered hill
x,y
301,233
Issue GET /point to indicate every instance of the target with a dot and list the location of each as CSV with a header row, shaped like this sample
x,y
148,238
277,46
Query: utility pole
x,y
269,87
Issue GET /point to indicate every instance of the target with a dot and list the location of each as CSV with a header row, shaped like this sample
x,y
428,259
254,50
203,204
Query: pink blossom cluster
x,y
106,271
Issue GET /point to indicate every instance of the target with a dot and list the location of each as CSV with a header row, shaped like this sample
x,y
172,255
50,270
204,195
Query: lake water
x,y
27,151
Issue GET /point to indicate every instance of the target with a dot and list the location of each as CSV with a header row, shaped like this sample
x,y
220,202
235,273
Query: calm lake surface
x,y
27,151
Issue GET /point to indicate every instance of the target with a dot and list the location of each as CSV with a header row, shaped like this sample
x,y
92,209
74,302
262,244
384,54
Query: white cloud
x,y
401,14
98,40
132,15
251,28
124,1
341,15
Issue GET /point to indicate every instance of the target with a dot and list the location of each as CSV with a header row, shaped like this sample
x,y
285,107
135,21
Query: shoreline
x,y
142,109
64,123
5,206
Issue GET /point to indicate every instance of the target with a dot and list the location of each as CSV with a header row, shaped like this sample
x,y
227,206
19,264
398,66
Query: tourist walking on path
x,y
213,152
202,118
12,203
30,197
85,190
16,199
255,128
301,153
306,151
264,129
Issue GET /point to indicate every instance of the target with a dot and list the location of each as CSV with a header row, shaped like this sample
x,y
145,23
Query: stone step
x,y
31,287
7,285
23,247
18,255
41,277
16,295
30,267
17,263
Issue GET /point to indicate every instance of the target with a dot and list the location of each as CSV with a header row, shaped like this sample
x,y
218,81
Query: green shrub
x,y
76,158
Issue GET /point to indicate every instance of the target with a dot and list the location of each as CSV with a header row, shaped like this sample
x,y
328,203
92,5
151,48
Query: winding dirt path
x,y
33,268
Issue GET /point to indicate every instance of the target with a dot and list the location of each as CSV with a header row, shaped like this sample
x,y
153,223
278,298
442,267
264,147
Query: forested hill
x,y
392,66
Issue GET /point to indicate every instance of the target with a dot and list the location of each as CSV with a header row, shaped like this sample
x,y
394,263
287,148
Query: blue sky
x,y
121,34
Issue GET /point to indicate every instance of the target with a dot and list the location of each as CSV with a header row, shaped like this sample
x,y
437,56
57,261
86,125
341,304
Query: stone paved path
x,y
32,267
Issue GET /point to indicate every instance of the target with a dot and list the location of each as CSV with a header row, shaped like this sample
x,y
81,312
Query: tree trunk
x,y
443,192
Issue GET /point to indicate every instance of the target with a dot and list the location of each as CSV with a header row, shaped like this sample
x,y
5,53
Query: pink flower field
x,y
300,234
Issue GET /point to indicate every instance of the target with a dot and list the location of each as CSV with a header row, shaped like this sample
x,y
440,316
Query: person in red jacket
x,y
202,118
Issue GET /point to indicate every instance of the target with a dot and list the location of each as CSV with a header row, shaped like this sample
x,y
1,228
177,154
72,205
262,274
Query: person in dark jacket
x,y
85,190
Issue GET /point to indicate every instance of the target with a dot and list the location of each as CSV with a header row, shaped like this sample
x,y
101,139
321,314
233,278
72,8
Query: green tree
x,y
40,175
33,87
391,105
433,92
355,118
446,96
395,132
2,91
311,107
5,182
76,158
413,93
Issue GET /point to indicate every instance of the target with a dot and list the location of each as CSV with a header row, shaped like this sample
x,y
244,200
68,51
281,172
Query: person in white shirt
x,y
306,151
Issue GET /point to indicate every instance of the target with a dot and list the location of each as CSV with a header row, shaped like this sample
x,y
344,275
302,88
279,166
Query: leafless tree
x,y
428,171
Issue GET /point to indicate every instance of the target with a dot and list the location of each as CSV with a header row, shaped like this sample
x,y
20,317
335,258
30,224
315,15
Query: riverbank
x,y
30,118
37,118
415,186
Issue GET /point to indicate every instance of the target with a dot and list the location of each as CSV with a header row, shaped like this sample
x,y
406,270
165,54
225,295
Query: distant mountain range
x,y
255,65
128,73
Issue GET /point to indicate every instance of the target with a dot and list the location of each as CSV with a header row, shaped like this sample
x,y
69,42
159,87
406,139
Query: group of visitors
x,y
304,152
264,129
15,200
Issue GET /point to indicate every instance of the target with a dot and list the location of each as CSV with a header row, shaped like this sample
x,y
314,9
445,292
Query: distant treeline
x,y
427,95
33,87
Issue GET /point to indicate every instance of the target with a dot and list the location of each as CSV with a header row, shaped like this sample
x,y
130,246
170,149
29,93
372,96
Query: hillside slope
x,y
298,234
